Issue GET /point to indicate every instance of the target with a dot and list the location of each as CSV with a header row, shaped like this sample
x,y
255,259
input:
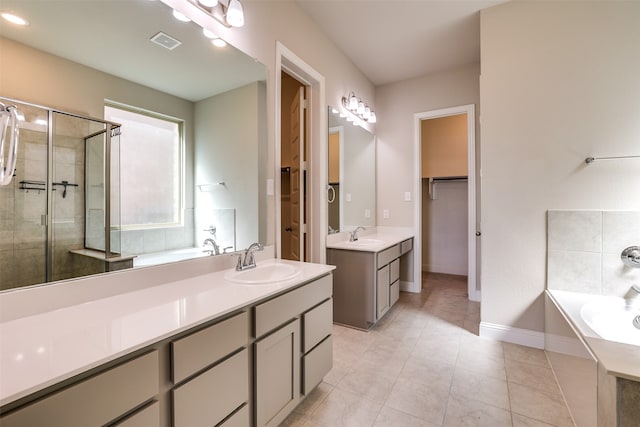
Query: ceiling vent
x,y
166,41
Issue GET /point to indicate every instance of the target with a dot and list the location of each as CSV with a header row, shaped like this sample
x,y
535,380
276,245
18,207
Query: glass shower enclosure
x,y
59,215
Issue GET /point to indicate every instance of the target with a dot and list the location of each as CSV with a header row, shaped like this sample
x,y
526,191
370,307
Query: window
x,y
151,168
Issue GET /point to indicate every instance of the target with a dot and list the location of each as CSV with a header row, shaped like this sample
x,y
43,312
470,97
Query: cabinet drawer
x,y
394,270
239,419
317,324
203,348
317,364
394,293
96,400
149,416
273,313
388,255
211,396
406,246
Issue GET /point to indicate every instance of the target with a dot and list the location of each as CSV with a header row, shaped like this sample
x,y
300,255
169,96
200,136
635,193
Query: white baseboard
x,y
565,345
409,287
509,334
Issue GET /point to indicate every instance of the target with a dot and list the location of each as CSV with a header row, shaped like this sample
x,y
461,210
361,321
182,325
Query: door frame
x,y
469,110
340,131
317,156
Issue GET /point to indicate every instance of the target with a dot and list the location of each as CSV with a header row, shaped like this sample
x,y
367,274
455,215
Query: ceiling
x,y
388,40
394,40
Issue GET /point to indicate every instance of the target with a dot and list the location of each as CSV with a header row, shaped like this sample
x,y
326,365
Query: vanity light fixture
x,y
358,108
228,12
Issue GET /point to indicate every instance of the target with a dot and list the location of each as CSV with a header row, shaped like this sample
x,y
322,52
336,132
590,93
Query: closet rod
x,y
590,160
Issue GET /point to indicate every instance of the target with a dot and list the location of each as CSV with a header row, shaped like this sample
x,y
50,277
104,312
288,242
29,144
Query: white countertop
x,y
619,359
381,238
41,350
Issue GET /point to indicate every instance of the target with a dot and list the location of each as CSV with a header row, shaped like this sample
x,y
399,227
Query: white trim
x,y
340,131
525,337
469,110
293,65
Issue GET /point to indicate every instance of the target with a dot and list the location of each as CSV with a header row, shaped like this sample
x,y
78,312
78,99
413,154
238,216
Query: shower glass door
x,y
23,205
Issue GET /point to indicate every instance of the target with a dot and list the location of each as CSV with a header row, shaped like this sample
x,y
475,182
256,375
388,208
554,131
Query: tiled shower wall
x,y
584,247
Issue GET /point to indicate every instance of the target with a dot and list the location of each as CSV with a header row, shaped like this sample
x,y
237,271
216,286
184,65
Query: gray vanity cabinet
x,y
250,368
366,284
293,348
100,400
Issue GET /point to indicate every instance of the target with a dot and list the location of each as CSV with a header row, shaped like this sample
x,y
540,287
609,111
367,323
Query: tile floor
x,y
423,364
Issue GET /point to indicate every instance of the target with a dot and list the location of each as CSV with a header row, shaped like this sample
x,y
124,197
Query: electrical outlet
x,y
270,187
347,197
367,213
407,196
385,213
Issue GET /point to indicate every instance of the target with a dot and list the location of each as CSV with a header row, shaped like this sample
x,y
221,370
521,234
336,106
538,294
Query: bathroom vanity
x,y
220,348
367,276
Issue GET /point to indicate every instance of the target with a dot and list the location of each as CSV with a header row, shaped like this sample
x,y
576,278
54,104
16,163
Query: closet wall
x,y
444,195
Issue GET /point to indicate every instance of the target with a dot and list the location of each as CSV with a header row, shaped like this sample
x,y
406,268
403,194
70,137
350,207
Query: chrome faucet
x,y
246,259
354,234
632,297
215,249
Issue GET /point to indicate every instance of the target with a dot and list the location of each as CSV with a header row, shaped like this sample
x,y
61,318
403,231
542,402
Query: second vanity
x,y
217,348
367,276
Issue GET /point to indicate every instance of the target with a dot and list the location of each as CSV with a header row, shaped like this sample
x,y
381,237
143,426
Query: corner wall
x,y
559,84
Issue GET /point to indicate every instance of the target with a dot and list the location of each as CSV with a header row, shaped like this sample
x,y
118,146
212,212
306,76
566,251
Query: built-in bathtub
x,y
164,257
594,351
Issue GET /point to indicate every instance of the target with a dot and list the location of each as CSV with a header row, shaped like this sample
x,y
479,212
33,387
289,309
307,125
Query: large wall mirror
x,y
352,175
133,56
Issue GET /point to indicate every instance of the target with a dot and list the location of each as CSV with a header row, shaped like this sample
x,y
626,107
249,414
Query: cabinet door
x,y
277,374
383,291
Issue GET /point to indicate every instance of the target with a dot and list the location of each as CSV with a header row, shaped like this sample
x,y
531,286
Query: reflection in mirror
x,y
87,55
352,168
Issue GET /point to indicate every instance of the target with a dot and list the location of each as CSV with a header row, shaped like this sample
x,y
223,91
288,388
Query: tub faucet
x,y
215,249
246,259
354,234
632,297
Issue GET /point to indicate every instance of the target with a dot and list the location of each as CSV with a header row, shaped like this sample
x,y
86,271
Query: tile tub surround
x,y
425,365
618,372
45,348
584,247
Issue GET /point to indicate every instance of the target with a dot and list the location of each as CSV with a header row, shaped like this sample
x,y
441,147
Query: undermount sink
x,y
367,242
263,274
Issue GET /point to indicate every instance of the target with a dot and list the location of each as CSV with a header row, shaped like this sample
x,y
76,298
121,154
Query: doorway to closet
x,y
446,210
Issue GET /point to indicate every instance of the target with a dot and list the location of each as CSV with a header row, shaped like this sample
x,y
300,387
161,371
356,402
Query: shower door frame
x,y
47,219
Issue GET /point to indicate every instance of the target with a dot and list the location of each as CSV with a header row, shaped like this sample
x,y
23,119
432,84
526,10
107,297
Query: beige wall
x,y
444,146
396,105
559,83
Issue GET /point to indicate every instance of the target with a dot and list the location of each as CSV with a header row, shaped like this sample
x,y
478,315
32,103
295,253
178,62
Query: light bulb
x,y
218,42
372,118
15,19
334,111
235,14
180,16
209,34
367,113
353,102
360,109
208,3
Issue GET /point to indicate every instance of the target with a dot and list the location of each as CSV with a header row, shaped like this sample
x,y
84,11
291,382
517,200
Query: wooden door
x,y
296,141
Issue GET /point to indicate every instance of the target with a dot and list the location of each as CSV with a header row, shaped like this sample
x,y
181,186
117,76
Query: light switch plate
x,y
407,196
367,213
347,197
385,213
270,187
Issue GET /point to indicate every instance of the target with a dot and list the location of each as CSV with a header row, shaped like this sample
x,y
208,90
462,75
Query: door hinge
x,y
305,104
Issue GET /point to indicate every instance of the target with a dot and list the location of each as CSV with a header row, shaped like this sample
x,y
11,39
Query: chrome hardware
x,y
246,259
215,249
636,321
354,234
631,256
212,230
